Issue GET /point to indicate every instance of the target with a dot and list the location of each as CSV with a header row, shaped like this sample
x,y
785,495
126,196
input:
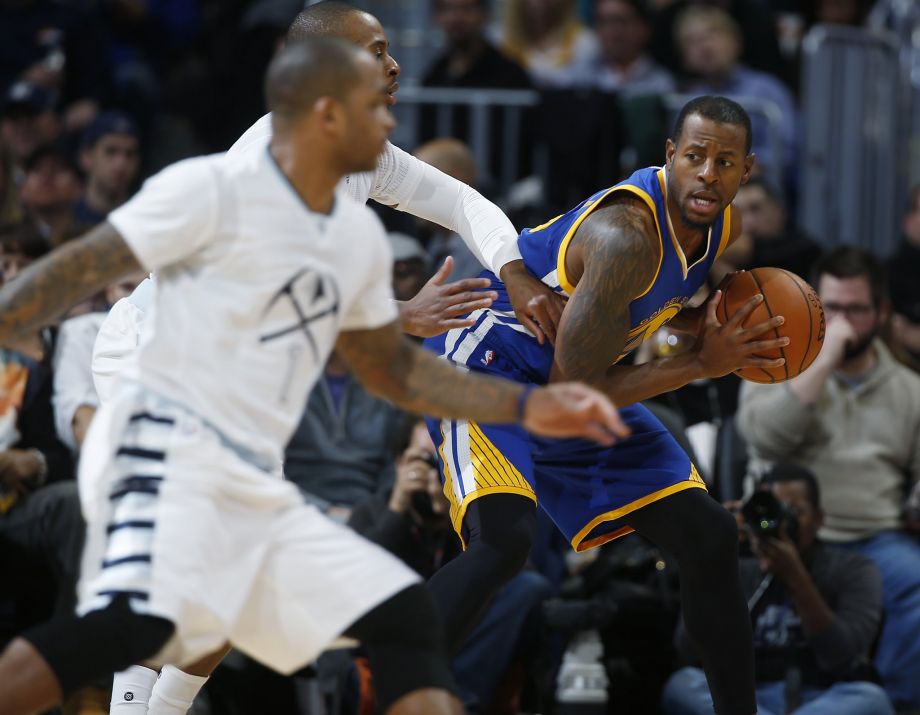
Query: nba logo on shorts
x,y
488,357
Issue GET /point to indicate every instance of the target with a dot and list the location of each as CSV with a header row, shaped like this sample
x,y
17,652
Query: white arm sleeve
x,y
173,216
411,185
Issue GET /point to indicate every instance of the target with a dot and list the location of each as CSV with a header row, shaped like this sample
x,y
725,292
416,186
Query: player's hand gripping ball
x,y
784,294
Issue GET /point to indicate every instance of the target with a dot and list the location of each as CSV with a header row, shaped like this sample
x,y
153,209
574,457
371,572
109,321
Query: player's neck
x,y
311,177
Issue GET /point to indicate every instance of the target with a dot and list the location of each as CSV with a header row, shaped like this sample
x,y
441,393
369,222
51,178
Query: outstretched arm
x,y
619,263
409,184
390,366
62,279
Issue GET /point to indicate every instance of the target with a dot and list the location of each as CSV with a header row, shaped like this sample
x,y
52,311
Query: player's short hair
x,y
309,69
786,472
853,262
325,19
718,109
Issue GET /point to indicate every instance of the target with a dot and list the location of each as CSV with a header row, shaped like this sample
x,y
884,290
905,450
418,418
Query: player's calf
x,y
54,659
403,640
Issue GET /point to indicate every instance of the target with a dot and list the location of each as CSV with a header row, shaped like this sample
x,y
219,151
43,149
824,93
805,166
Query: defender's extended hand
x,y
437,307
722,349
536,306
573,410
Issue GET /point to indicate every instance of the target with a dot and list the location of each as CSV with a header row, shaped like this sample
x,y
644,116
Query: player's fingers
x,y
446,324
765,362
443,272
744,311
470,296
539,309
531,325
760,346
468,284
711,306
747,334
599,409
464,308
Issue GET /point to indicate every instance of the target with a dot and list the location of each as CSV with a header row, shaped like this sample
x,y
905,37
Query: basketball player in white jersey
x,y
399,180
193,539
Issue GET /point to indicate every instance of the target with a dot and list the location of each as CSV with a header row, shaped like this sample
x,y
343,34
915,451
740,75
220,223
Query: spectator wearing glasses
x,y
853,418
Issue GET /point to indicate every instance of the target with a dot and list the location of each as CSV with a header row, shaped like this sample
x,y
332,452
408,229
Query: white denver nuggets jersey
x,y
253,289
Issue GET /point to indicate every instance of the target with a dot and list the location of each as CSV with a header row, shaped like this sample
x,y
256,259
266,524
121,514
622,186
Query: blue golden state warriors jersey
x,y
544,247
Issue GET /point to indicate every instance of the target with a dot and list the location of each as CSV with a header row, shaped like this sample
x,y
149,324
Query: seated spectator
x,y
550,42
710,45
50,189
340,453
454,158
470,60
110,157
28,121
623,28
40,525
904,269
815,610
756,18
768,238
413,521
853,418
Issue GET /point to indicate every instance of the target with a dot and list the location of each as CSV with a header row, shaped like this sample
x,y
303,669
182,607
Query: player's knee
x,y
408,617
99,643
504,534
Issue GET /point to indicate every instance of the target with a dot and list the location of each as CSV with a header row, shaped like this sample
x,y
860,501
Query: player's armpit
x,y
63,278
619,263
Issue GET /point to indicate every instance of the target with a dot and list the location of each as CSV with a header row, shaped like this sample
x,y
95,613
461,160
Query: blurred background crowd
x,y
538,104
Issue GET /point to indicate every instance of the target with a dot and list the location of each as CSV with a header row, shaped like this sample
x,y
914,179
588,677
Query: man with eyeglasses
x,y
853,418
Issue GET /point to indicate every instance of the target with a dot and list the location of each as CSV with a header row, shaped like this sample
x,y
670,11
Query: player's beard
x,y
695,225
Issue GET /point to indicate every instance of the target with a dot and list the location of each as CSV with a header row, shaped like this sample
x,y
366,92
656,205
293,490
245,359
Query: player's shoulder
x,y
354,212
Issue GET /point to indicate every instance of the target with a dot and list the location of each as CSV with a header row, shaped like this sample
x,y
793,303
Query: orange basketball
x,y
784,294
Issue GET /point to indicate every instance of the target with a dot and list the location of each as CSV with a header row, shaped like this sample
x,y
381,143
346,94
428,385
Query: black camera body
x,y
765,515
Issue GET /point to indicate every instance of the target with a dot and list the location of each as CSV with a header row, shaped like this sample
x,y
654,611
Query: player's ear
x,y
329,113
748,167
669,148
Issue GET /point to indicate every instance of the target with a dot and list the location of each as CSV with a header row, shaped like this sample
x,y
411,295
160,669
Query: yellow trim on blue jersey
x,y
493,473
563,247
547,224
694,481
726,230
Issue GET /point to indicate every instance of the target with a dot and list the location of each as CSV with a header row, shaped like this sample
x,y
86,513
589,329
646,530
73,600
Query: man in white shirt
x,y
193,538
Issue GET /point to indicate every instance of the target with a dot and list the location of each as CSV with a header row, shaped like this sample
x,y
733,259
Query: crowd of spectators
x,y
95,95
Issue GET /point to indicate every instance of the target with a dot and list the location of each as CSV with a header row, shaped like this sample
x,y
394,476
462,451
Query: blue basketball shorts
x,y
588,490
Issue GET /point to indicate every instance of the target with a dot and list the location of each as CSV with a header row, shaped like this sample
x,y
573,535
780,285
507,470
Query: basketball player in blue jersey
x,y
629,258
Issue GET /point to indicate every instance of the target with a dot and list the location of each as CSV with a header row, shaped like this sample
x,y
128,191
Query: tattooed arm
x,y
388,365
614,245
62,279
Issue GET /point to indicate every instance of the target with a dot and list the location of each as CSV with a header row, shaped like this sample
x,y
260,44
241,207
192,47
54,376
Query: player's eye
x,y
726,163
692,157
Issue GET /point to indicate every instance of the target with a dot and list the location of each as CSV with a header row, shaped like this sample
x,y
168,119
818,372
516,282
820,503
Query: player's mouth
x,y
391,93
704,202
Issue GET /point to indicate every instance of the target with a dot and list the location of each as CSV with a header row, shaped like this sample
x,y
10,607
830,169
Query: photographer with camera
x,y
413,522
815,611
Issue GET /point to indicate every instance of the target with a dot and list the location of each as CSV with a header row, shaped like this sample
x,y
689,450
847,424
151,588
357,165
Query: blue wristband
x,y
522,401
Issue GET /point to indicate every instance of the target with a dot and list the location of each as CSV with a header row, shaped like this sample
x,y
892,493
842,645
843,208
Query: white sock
x,y
131,690
174,692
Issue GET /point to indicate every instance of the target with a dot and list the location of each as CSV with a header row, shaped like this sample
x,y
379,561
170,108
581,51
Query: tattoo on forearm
x,y
389,365
62,279
620,261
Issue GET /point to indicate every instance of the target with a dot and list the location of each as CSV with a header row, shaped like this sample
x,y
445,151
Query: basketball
x,y
784,294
